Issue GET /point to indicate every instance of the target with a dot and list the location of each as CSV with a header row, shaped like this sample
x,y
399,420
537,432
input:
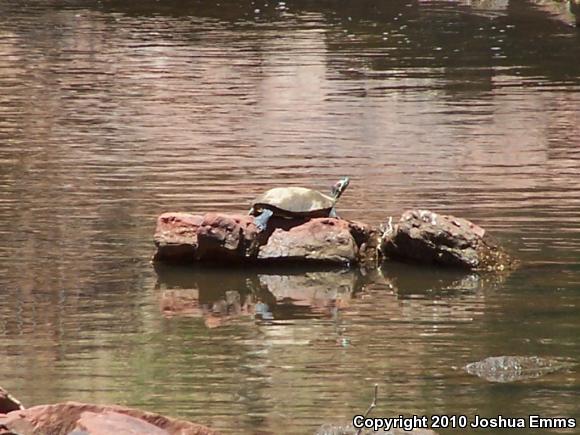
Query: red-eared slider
x,y
296,202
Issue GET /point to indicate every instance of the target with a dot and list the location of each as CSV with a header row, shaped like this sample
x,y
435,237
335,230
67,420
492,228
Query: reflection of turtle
x,y
296,202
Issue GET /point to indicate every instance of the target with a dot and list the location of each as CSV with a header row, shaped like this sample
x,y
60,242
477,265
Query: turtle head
x,y
340,187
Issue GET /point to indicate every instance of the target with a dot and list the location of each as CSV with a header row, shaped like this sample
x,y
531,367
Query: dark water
x,y
113,112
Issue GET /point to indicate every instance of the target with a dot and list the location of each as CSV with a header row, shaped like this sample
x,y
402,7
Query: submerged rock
x,y
87,419
515,368
222,238
427,237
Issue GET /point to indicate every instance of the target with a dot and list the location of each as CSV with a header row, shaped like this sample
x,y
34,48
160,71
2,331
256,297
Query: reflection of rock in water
x,y
434,295
182,302
412,280
186,303
314,293
515,368
220,296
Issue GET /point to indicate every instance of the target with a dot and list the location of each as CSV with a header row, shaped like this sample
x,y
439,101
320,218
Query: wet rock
x,y
426,237
221,238
8,402
87,419
515,368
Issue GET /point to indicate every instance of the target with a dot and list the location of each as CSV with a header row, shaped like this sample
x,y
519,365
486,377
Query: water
x,y
113,112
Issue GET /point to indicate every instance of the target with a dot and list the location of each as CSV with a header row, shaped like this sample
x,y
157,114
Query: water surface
x,y
113,112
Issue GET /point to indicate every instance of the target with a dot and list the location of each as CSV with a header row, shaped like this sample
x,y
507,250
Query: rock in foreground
x,y
222,238
87,419
426,237
349,429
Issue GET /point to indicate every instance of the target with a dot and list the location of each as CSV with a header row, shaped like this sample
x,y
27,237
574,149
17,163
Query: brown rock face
x,y
221,238
426,237
87,419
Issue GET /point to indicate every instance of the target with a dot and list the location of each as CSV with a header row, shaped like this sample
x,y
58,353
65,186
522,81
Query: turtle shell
x,y
294,201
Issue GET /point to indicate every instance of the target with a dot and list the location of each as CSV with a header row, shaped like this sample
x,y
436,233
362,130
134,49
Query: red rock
x,y
219,238
322,240
226,237
114,423
89,419
176,237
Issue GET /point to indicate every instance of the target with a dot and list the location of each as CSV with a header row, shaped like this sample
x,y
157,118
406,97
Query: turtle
x,y
296,202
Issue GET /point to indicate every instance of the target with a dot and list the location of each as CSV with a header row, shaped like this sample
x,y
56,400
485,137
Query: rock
x,y
427,237
87,419
349,429
176,237
515,368
323,239
226,237
8,403
221,238
114,423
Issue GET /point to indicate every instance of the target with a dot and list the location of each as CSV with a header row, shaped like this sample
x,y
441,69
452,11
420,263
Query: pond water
x,y
112,112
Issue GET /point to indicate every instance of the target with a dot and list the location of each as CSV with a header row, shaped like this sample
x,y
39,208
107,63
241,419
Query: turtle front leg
x,y
332,213
261,221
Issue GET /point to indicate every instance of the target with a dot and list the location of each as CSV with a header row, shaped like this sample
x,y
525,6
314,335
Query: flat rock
x,y
74,418
426,237
223,238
